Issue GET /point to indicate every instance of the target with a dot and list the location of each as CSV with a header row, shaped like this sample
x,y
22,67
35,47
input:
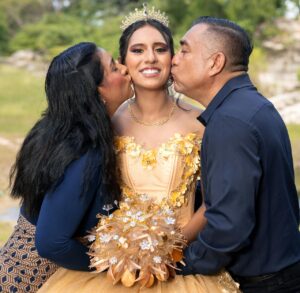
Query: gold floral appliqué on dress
x,y
187,147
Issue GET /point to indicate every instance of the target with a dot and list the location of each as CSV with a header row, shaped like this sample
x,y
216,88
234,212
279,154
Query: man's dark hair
x,y
234,40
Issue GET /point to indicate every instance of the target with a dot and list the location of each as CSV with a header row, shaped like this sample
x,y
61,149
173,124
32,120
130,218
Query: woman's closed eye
x,y
183,51
113,66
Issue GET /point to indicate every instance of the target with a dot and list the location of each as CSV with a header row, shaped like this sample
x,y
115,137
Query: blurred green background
x,y
43,28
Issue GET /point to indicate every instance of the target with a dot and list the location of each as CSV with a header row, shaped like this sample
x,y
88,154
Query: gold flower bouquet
x,y
138,243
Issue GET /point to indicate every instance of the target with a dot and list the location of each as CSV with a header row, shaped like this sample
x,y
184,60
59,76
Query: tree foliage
x,y
297,5
3,33
252,14
19,13
44,25
52,30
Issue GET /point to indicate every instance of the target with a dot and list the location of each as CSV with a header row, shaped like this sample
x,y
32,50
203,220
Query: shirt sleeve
x,y
232,173
60,216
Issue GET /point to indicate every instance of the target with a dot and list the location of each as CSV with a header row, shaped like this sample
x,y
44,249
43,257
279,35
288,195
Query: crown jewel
x,y
144,14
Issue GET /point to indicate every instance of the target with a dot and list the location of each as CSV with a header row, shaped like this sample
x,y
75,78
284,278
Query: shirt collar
x,y
237,82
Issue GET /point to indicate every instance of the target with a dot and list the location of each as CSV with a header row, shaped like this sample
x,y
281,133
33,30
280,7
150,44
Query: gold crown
x,y
144,14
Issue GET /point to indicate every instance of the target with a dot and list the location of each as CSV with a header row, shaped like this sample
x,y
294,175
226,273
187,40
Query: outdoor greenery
x,y
294,132
6,229
297,4
45,25
22,100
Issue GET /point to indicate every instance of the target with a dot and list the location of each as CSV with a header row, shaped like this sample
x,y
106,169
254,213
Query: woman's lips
x,y
150,72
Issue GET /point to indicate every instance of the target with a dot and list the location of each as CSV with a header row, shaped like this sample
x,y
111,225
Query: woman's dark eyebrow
x,y
155,44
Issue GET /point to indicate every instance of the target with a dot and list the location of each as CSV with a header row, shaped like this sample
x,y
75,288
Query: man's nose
x,y
175,60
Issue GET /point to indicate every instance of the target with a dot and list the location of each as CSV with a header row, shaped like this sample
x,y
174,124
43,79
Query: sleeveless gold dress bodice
x,y
168,174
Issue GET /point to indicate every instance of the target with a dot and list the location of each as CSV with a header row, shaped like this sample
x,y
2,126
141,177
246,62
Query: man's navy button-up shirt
x,y
249,189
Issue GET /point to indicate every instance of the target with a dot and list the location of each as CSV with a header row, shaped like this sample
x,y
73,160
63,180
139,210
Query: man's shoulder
x,y
243,104
239,111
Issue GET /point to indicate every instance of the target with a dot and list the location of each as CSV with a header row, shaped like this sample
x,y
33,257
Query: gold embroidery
x,y
187,147
149,159
227,284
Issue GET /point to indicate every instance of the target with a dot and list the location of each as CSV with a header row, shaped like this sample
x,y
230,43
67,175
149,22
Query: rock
x,y
28,60
271,45
283,59
288,105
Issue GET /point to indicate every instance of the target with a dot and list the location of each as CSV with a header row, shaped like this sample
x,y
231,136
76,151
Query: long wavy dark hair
x,y
74,123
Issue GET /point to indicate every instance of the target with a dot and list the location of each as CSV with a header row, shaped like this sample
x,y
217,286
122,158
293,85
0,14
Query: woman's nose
x,y
151,57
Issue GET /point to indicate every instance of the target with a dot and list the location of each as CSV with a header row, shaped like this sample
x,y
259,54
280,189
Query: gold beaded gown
x,y
167,172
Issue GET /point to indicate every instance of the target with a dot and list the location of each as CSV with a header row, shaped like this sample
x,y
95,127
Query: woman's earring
x,y
170,81
104,102
132,88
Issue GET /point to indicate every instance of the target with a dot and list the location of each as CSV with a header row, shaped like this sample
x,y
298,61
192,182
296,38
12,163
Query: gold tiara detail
x,y
144,14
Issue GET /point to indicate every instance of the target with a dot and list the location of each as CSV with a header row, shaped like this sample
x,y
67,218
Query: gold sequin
x,y
187,147
227,284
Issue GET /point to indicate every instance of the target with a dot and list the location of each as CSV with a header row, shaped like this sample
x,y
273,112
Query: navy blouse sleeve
x,y
60,216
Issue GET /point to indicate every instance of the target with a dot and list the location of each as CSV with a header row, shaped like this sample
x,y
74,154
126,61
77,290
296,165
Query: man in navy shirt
x,y
251,201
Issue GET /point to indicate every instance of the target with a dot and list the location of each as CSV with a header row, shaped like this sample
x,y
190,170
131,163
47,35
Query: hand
x,y
184,269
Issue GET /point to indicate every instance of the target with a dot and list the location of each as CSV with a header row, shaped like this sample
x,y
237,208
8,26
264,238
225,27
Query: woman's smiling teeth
x,y
150,71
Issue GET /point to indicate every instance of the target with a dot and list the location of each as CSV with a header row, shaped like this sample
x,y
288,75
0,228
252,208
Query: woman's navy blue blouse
x,y
66,214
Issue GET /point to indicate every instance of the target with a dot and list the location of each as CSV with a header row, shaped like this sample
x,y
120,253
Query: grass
x,y
6,229
294,132
7,157
22,99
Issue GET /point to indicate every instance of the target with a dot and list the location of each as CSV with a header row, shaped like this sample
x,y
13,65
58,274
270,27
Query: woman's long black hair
x,y
74,123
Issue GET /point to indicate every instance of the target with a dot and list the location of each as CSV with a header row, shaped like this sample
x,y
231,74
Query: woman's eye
x,y
138,51
161,50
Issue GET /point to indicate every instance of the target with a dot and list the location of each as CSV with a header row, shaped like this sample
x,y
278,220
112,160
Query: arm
x,y
195,225
232,174
60,216
198,221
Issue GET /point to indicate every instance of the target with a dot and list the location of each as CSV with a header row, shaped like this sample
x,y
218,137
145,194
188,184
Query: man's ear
x,y
217,63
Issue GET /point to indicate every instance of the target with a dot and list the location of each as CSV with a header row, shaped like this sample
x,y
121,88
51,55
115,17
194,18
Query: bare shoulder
x,y
189,109
189,113
120,118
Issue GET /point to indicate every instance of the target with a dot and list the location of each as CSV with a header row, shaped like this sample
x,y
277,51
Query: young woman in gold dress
x,y
157,145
